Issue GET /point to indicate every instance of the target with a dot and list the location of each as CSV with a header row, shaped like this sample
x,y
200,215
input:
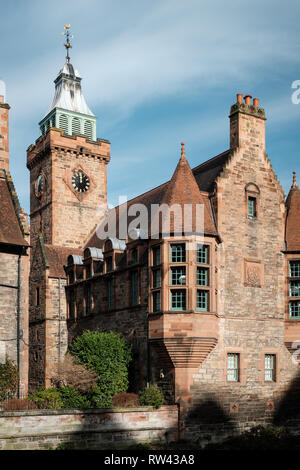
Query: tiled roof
x,y
10,227
205,175
56,259
183,190
292,229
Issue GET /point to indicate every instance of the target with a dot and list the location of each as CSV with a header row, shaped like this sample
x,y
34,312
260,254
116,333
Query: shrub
x,y
152,396
8,380
18,404
108,355
47,399
125,400
72,398
75,375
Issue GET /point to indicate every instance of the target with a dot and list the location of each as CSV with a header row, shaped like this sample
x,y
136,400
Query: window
x,y
156,301
202,300
71,305
233,360
202,276
295,288
203,254
156,278
37,296
134,256
178,276
109,264
71,277
156,255
294,308
178,253
109,294
178,299
88,271
270,362
251,206
294,268
134,288
88,300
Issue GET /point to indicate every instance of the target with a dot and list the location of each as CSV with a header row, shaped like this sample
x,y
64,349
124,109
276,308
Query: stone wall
x,y
8,313
89,429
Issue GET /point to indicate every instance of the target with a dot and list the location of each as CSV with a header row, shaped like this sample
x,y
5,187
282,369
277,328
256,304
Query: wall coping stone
x,y
52,412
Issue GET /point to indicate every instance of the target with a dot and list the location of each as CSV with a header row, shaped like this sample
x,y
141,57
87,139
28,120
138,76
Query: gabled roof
x,y
292,228
11,230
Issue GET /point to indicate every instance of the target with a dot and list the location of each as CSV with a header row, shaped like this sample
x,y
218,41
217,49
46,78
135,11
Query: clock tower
x,y
68,197
67,164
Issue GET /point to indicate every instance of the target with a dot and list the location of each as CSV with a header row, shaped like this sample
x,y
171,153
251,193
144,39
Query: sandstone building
x,y
214,326
14,264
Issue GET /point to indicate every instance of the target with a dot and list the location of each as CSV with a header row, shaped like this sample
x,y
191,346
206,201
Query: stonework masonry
x,y
185,317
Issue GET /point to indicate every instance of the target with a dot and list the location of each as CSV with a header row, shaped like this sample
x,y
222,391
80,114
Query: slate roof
x,y
56,259
10,226
204,175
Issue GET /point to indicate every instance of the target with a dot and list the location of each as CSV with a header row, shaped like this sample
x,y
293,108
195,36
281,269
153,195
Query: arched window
x,y
76,126
63,123
88,130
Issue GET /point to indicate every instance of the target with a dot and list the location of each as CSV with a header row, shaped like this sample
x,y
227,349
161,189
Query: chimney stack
x,y
4,134
247,123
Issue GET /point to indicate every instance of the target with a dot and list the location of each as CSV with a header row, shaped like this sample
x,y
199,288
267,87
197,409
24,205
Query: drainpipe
x,y
18,322
59,322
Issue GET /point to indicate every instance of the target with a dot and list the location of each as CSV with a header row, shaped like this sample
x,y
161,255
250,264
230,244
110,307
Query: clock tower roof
x,y
68,93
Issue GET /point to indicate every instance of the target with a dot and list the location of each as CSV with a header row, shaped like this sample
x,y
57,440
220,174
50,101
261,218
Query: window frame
x,y
237,368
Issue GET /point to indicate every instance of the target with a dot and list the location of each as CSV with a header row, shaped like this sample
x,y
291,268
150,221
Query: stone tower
x,y
68,195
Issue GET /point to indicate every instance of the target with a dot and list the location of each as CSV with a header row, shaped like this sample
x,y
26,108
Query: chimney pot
x,y
239,98
247,99
255,102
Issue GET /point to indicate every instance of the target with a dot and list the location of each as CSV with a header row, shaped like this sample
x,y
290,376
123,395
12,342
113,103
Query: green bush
x,y
47,399
8,380
152,396
108,355
72,398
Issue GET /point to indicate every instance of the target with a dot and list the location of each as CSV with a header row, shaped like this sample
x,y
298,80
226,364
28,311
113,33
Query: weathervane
x,y
68,36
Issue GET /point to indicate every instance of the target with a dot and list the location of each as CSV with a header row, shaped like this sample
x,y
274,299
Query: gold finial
x,y
294,185
68,36
182,150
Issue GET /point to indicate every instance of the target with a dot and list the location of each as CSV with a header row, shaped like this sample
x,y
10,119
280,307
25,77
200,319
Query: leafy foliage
x,y
260,438
72,398
49,398
125,400
8,380
108,355
152,396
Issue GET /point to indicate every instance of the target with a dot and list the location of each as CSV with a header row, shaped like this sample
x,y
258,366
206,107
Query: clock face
x,y
80,181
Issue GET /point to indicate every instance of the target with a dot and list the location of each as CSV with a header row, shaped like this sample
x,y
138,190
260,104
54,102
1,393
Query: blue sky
x,y
155,73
